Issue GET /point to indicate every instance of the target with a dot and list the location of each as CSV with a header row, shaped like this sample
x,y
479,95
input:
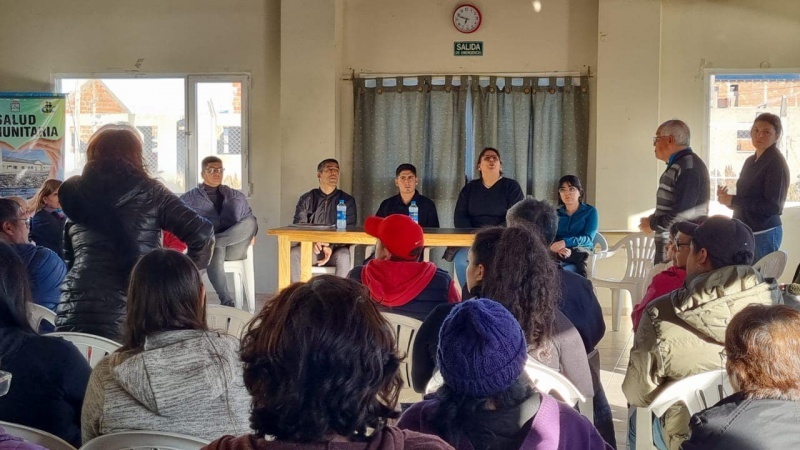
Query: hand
x,y
317,248
557,246
326,256
564,253
644,225
723,197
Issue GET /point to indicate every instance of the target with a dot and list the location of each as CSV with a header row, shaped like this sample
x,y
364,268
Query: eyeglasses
x,y
656,138
490,158
212,170
27,222
564,190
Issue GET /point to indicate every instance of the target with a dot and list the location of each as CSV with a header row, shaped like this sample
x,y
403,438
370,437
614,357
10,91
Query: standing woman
x,y
577,225
762,186
483,202
116,214
47,224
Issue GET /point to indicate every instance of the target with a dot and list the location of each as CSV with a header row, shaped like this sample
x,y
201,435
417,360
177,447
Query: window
x,y
182,119
736,99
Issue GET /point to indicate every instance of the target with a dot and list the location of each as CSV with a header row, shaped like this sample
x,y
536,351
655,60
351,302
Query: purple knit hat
x,y
482,348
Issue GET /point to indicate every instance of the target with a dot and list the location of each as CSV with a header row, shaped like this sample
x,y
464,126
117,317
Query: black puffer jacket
x,y
114,218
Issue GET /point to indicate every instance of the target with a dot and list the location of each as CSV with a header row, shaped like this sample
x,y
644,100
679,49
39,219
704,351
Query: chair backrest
x,y
772,264
144,440
94,348
35,436
38,314
405,330
599,244
641,249
230,320
697,392
550,382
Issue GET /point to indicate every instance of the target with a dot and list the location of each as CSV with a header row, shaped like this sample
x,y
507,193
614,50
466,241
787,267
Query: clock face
x,y
467,18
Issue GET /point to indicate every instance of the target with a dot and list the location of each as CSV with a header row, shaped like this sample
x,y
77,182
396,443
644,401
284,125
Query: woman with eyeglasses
x,y
483,202
577,226
762,186
47,224
116,213
762,358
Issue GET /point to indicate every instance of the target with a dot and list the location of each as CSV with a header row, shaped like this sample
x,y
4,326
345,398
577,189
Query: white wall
x,y
43,37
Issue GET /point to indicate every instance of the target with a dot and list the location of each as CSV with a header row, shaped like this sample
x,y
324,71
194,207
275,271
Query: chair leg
x,y
616,308
237,290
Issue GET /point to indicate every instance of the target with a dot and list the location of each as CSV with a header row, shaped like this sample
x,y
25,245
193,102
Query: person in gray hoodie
x,y
171,373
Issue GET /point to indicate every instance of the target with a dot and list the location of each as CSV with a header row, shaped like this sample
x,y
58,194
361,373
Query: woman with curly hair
x,y
523,278
321,366
47,224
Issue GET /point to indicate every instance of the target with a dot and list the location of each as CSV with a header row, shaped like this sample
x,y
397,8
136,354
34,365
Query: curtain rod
x,y
574,73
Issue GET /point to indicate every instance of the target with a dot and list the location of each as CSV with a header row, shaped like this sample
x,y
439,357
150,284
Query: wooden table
x,y
434,237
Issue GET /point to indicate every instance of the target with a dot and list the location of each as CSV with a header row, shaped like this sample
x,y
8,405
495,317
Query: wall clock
x,y
467,18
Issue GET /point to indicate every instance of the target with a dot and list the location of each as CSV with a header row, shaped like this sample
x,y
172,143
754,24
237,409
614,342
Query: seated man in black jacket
x,y
318,207
396,280
406,182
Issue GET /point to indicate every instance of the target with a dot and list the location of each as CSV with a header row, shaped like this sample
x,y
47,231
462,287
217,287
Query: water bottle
x,y
341,215
413,212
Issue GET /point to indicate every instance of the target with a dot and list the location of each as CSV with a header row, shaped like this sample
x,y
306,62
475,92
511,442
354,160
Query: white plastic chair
x,y
36,436
640,249
697,392
599,249
230,320
144,440
5,382
772,265
549,381
94,348
405,329
246,285
38,313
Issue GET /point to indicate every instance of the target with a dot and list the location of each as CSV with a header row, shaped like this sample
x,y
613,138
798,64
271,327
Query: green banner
x,y
32,128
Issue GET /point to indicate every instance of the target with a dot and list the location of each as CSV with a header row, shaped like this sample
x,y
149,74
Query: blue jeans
x,y
460,265
658,433
767,242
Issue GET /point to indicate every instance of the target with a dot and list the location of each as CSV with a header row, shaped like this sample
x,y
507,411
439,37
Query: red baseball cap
x,y
399,234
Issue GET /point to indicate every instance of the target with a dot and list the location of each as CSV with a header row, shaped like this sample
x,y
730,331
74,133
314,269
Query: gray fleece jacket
x,y
185,381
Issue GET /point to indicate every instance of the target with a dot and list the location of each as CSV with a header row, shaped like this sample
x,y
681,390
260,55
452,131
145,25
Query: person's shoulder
x,y
44,257
229,191
192,193
587,207
345,196
46,347
414,440
509,183
244,442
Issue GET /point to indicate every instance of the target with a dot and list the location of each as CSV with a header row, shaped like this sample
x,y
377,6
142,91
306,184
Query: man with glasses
x,y
683,190
682,333
234,223
46,269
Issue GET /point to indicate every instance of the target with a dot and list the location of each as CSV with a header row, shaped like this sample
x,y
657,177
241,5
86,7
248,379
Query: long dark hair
x,y
456,415
320,359
165,293
15,291
523,277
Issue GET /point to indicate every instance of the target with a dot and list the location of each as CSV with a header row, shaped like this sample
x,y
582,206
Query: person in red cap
x,y
396,280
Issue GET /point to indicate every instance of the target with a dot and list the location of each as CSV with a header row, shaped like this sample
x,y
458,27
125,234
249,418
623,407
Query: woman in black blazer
x,y
47,225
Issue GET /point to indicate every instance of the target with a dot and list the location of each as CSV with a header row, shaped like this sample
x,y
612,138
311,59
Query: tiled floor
x,y
614,350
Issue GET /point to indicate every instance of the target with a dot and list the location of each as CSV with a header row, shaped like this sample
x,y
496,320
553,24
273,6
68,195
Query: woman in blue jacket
x,y
577,226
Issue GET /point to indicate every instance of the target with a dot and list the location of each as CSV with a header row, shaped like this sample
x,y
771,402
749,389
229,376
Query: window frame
x,y
191,80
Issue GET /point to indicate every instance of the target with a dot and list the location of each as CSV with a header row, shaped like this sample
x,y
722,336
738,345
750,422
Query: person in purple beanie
x,y
487,401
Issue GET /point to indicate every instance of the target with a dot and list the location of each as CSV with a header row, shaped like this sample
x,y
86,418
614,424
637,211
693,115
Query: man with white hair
x,y
683,190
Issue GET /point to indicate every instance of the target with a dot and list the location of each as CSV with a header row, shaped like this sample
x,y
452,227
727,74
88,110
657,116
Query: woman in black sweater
x,y
50,374
483,202
47,225
762,186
